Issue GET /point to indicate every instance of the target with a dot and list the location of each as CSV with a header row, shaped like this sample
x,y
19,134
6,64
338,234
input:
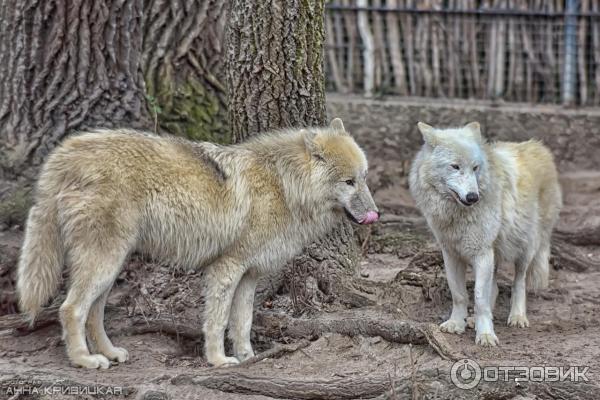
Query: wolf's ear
x,y
312,147
337,126
475,130
428,133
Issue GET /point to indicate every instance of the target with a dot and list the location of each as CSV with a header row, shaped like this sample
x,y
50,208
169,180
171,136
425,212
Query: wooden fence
x,y
525,51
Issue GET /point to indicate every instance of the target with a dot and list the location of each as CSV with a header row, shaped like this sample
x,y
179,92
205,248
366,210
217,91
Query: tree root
x,y
276,326
277,351
425,383
438,342
589,236
566,255
21,325
233,381
163,326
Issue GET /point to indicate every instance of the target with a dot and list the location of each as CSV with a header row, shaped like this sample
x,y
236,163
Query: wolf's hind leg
x,y
221,280
539,268
518,296
88,284
240,319
455,274
96,334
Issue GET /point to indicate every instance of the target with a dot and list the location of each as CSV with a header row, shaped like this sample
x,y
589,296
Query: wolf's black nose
x,y
472,198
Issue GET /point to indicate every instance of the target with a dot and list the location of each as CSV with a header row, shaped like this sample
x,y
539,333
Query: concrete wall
x,y
387,127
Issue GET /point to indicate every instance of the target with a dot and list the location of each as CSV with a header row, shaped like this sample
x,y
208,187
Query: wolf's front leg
x,y
240,319
221,279
455,275
483,265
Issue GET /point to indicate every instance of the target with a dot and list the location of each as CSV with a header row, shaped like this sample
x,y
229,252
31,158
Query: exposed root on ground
x,y
588,236
396,331
276,326
277,351
21,325
235,381
424,382
566,255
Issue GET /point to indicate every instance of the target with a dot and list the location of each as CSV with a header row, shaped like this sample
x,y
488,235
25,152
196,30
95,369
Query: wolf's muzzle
x,y
369,218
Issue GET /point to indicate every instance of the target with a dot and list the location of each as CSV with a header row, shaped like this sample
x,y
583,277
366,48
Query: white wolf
x,y
236,211
487,204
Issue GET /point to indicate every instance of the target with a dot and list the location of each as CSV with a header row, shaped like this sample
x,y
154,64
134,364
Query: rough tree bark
x,y
65,66
275,79
183,68
68,66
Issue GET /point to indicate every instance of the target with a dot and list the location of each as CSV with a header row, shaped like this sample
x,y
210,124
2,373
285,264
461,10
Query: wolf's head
x,y
455,163
340,167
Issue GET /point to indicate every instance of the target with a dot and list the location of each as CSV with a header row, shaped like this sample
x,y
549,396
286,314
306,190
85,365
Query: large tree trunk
x,y
275,80
66,65
71,66
183,68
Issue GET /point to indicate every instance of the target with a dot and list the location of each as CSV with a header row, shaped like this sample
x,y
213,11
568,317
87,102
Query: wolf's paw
x,y
117,354
486,339
224,361
453,326
519,321
92,361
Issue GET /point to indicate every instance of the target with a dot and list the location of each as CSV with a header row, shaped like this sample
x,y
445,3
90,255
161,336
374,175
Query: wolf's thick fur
x,y
487,204
236,211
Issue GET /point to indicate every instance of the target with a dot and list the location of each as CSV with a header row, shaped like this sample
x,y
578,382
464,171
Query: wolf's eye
x,y
455,166
475,168
350,182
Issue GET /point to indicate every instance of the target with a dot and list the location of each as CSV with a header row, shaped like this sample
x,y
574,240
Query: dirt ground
x,y
401,278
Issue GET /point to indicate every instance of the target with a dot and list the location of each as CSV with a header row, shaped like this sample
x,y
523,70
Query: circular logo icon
x,y
465,374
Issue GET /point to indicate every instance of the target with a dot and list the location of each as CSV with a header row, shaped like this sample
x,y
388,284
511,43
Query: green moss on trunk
x,y
189,109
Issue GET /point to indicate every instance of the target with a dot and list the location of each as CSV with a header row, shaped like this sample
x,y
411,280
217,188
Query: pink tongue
x,y
371,217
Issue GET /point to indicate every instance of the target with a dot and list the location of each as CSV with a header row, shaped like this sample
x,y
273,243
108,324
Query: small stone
x,y
364,274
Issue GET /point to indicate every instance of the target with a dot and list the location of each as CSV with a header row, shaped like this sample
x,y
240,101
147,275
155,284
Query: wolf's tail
x,y
539,269
41,261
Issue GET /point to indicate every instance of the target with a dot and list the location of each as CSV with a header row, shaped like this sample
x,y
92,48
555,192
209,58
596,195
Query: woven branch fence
x,y
522,51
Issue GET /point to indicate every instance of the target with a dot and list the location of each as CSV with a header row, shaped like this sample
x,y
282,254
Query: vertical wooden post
x,y
570,53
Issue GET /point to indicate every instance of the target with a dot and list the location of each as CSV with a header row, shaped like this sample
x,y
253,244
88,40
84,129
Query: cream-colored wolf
x,y
236,211
487,204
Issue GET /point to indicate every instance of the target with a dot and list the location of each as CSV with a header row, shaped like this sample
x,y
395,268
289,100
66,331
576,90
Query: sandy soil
x,y
565,324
